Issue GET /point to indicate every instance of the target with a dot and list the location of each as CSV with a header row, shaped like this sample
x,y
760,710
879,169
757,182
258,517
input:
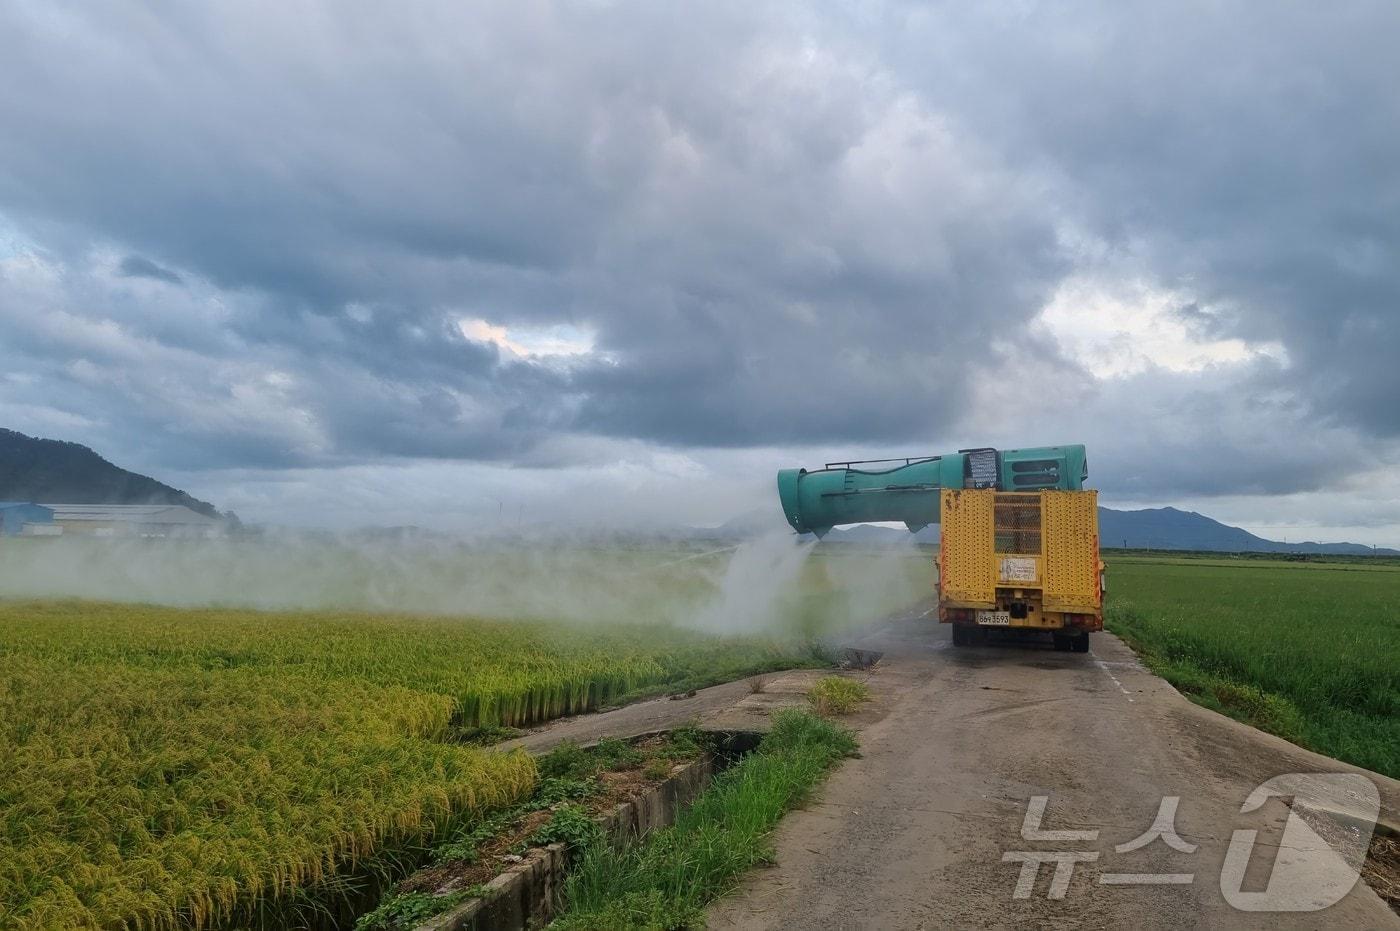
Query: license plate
x,y
994,618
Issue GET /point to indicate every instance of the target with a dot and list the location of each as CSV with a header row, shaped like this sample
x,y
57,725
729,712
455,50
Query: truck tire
x,y
1080,644
1062,643
959,635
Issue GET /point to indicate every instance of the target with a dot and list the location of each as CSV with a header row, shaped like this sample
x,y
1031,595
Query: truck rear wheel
x,y
1079,643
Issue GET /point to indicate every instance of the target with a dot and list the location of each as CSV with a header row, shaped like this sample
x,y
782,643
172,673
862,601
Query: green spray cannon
x,y
906,490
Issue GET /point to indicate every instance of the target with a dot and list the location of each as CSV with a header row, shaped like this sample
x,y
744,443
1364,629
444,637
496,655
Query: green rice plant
x,y
837,695
1308,651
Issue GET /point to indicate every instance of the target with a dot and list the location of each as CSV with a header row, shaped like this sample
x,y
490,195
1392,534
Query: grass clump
x,y
614,753
837,695
409,909
665,881
569,761
570,825
686,743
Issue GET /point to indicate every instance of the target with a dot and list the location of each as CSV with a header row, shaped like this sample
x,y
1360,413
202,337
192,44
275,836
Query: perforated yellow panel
x,y
967,559
1071,527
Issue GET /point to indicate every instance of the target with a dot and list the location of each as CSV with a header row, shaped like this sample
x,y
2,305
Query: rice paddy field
x,y
199,767
172,767
1307,650
269,765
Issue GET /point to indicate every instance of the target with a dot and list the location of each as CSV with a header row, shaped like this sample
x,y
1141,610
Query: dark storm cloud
x,y
779,224
133,266
769,244
1251,153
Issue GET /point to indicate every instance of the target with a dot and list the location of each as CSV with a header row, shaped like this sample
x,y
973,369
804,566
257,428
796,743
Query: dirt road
x,y
914,834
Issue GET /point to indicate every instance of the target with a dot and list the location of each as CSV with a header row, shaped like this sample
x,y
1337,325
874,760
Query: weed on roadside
x,y
665,881
837,695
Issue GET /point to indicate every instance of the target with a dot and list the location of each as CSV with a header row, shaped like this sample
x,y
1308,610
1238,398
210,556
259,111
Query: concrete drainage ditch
x,y
525,894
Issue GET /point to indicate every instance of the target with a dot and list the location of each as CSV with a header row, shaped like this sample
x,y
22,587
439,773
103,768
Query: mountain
x,y
34,469
1171,529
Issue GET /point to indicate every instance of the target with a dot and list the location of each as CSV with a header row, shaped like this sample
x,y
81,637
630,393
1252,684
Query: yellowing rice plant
x,y
162,768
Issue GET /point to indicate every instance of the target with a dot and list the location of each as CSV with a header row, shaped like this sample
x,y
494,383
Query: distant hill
x,y
34,469
1152,528
1171,529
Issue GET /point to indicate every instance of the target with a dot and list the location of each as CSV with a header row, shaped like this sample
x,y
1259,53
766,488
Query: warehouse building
x,y
25,517
134,520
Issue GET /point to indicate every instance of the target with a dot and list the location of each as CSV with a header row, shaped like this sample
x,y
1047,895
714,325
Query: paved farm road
x,y
913,834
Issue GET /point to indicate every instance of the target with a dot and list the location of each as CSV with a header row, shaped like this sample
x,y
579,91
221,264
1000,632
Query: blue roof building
x,y
15,514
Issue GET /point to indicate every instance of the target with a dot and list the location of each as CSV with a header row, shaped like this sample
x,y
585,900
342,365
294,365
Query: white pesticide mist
x,y
774,584
757,576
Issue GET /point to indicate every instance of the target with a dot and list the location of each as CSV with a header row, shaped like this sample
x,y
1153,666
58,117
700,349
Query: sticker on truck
x,y
1017,569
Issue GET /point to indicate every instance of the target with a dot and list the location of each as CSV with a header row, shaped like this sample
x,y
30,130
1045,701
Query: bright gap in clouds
x,y
530,342
1128,328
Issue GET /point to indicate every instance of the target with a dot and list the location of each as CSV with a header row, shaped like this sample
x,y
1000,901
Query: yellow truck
x,y
1020,533
1020,561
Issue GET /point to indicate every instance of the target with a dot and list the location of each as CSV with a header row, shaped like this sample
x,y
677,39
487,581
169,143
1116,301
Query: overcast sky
x,y
349,263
